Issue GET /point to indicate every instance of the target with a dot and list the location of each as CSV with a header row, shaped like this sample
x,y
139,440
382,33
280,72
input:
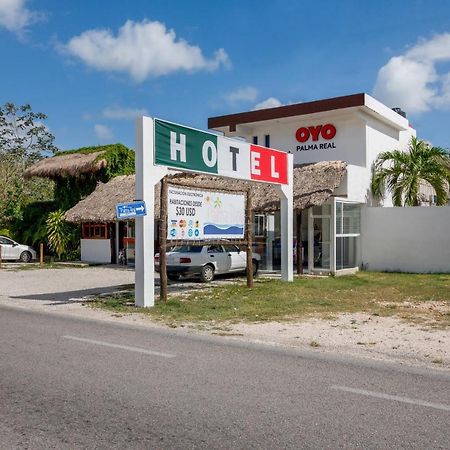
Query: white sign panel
x,y
199,215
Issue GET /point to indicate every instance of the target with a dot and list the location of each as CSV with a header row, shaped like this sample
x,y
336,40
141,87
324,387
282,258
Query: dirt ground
x,y
64,291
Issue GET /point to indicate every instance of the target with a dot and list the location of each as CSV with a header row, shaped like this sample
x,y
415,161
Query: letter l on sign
x,y
268,165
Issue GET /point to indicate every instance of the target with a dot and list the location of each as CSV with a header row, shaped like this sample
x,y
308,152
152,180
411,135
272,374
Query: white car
x,y
206,261
13,251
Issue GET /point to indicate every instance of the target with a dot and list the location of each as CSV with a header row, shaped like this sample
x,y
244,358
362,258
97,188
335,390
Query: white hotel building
x,y
350,230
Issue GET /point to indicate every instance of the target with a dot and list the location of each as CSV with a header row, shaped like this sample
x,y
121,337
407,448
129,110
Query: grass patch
x,y
416,297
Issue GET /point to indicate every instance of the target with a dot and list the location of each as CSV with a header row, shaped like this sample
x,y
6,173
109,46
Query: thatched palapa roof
x,y
313,185
72,164
100,205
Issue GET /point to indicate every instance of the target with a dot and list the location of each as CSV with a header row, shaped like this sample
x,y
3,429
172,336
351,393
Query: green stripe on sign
x,y
184,148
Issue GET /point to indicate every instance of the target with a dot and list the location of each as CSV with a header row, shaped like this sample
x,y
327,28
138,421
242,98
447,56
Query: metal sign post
x,y
147,175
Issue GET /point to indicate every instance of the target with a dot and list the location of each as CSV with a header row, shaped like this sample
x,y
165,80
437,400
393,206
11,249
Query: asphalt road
x,y
72,383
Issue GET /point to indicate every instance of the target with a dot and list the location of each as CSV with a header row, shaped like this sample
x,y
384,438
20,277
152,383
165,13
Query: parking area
x,y
71,284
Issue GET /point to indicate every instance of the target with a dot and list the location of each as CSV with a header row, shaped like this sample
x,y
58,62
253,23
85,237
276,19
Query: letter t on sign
x,y
234,151
177,147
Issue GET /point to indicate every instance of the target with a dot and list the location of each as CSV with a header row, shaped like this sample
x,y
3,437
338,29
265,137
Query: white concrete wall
x,y
96,250
406,239
349,141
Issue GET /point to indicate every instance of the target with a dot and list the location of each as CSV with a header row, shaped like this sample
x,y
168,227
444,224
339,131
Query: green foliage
x,y
6,232
23,141
402,173
57,232
31,227
23,133
70,190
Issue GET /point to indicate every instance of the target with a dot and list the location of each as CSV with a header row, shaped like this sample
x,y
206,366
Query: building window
x,y
348,230
259,225
267,140
255,140
92,230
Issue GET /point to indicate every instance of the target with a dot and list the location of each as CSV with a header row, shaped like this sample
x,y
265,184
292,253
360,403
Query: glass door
x,y
322,242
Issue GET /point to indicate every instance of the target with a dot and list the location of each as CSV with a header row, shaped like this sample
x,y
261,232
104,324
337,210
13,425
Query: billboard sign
x,y
201,215
188,149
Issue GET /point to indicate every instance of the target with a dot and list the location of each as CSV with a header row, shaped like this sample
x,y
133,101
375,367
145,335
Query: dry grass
x,y
422,299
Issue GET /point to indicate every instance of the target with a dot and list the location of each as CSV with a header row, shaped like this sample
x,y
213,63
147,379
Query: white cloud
x,y
118,113
15,16
243,94
412,80
103,132
270,102
141,50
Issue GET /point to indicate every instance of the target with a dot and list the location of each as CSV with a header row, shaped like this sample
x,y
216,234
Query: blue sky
x,y
92,66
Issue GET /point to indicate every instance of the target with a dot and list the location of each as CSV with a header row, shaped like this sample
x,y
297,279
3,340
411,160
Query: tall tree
x,y
402,173
24,139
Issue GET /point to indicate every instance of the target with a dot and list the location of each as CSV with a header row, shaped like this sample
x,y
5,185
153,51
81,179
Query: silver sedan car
x,y
206,261
11,250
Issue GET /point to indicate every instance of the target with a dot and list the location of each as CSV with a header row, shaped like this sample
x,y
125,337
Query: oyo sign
x,y
327,132
184,148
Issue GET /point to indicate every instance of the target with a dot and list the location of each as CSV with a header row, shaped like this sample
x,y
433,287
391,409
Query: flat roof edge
x,y
279,112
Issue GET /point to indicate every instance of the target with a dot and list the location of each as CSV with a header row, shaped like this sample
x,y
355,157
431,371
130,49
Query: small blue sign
x,y
131,209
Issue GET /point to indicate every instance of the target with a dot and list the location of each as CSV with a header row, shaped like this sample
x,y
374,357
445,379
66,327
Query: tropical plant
x,y
58,232
403,173
24,139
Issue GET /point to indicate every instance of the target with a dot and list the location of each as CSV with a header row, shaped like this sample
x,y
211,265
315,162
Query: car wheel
x,y
173,276
255,267
207,273
25,257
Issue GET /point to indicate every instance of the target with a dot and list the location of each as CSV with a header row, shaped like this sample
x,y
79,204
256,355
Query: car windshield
x,y
187,249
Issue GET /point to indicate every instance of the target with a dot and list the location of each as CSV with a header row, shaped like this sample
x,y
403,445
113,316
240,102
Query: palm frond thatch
x,y
313,185
72,164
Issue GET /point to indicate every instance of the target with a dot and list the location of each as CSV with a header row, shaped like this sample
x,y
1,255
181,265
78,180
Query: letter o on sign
x,y
209,154
302,134
328,131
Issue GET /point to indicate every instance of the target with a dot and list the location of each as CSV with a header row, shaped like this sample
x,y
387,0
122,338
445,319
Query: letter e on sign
x,y
268,165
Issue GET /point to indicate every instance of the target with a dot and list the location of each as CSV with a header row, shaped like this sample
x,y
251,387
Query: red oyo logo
x,y
327,131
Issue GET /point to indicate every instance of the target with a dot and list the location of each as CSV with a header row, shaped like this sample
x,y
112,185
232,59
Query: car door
x,y
217,255
7,248
238,258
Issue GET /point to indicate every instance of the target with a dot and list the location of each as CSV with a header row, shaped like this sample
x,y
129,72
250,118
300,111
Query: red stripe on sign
x,y
268,165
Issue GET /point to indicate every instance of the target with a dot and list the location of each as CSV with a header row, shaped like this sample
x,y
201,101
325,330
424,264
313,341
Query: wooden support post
x,y
162,242
299,246
248,237
41,254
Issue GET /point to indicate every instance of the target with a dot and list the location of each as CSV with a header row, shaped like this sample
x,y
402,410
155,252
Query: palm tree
x,y
402,173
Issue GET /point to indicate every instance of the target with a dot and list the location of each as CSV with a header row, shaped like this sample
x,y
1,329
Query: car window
x,y
187,249
215,249
231,248
4,240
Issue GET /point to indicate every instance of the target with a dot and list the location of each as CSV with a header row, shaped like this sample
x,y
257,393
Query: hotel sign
x,y
188,149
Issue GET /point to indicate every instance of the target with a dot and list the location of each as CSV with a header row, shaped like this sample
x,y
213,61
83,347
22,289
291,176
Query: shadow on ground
x,y
73,296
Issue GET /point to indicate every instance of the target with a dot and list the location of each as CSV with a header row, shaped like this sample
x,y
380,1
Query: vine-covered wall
x,y
70,190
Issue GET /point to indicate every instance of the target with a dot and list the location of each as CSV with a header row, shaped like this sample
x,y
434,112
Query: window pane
x,y
346,252
322,210
338,217
351,219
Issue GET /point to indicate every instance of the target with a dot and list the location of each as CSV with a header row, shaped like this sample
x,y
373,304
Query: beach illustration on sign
x,y
222,229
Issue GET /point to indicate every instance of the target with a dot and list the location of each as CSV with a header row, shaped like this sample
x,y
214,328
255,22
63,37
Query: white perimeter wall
x,y
96,250
406,239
